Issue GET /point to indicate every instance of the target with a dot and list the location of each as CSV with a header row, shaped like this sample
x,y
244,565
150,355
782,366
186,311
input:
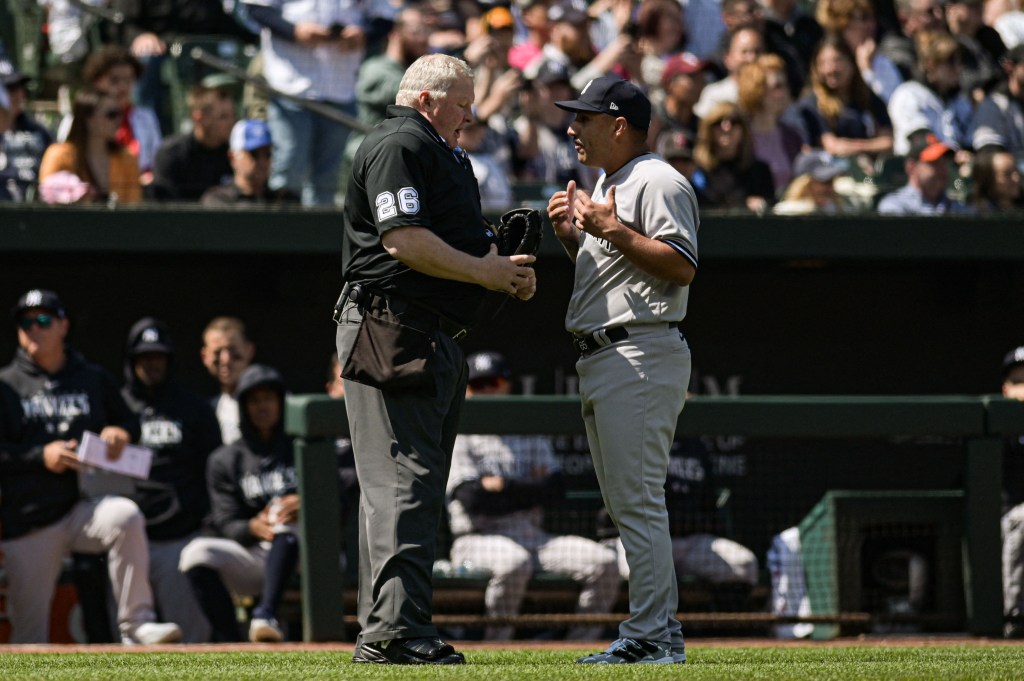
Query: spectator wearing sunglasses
x,y
91,166
729,175
496,491
49,396
249,152
226,353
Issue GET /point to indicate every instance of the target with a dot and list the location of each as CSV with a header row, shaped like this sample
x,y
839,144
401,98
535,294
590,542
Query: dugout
x,y
855,305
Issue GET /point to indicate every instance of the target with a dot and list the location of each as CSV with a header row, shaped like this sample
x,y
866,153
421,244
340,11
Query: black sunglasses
x,y
43,320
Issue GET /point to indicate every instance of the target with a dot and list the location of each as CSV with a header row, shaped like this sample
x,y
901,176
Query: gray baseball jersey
x,y
654,199
514,457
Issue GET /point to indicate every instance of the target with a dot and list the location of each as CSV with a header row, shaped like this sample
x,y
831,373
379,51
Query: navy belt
x,y
590,343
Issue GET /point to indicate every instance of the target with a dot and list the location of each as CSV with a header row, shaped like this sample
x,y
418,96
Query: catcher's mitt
x,y
519,232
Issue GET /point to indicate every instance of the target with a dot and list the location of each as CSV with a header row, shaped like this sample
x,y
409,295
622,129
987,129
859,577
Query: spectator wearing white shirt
x,y
311,49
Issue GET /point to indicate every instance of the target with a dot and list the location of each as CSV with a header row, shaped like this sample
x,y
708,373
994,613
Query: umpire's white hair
x,y
435,73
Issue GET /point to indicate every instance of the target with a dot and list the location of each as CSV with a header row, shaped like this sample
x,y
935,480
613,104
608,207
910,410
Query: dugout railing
x,y
979,423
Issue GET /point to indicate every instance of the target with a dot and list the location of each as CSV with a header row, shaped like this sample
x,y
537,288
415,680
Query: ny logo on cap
x,y
34,298
586,87
150,335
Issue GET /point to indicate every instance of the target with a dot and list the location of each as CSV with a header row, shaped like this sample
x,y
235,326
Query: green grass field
x,y
812,662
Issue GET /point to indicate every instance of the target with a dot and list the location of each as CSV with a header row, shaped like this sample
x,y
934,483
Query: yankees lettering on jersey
x,y
160,432
268,484
56,411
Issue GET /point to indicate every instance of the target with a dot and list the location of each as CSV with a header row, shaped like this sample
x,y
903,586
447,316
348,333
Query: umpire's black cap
x,y
40,297
613,96
488,365
1013,359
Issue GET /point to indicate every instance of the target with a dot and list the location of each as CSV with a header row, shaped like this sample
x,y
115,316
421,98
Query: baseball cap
x,y
820,165
677,145
39,297
679,65
149,335
548,72
249,134
567,12
1012,359
9,73
488,365
928,148
613,96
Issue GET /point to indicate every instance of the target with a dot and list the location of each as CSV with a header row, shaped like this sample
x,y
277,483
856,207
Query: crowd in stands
x,y
746,93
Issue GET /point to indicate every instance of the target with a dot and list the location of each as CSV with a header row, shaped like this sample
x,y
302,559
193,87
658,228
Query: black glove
x,y
519,232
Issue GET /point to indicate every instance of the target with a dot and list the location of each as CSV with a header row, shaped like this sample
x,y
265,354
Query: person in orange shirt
x,y
90,166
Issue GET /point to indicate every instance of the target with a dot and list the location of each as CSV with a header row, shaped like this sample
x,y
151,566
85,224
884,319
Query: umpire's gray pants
x,y
111,525
402,442
632,393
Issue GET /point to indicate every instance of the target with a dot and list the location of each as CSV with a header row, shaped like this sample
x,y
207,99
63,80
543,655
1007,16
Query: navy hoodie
x,y
36,409
182,430
244,476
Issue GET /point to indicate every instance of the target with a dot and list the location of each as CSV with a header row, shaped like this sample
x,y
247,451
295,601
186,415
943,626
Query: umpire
x,y
418,259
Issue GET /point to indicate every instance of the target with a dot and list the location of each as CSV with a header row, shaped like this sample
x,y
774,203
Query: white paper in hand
x,y
134,461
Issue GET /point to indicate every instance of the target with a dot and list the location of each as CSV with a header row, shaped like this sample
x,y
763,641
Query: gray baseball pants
x,y
632,393
174,595
111,525
1013,561
402,441
240,567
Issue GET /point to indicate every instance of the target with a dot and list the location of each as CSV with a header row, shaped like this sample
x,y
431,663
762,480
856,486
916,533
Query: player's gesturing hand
x,y
598,219
560,211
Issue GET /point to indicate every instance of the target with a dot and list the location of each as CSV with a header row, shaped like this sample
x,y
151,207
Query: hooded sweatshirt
x,y
181,429
37,408
244,476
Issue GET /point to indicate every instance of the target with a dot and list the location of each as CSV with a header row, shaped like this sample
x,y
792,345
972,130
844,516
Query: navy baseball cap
x,y
149,335
40,297
613,96
10,76
1013,359
488,365
249,134
820,165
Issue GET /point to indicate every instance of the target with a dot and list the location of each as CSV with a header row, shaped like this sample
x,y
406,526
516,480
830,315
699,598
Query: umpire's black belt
x,y
413,313
585,345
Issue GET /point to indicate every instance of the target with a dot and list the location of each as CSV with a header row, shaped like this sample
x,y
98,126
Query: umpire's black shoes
x,y
427,650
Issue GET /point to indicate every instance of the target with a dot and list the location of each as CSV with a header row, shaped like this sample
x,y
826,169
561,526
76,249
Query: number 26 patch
x,y
408,201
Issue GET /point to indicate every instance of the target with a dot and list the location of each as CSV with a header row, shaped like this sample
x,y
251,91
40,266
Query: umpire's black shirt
x,y
37,408
405,174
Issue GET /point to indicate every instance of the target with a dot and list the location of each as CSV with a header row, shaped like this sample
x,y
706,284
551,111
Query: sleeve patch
x,y
388,205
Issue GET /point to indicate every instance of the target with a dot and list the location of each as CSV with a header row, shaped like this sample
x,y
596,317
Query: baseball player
x,y
1013,502
495,491
181,429
634,242
253,510
49,396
